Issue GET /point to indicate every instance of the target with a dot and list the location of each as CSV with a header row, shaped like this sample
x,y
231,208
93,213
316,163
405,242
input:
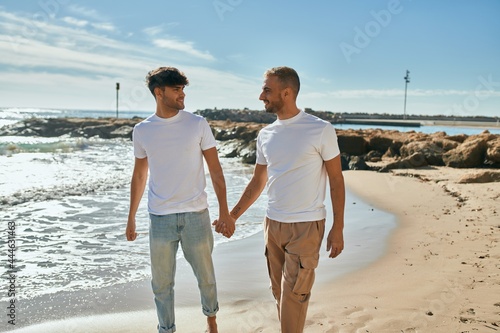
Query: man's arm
x,y
252,191
219,183
335,240
137,186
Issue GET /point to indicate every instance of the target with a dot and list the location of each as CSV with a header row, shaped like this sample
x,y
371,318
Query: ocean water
x,y
450,130
68,199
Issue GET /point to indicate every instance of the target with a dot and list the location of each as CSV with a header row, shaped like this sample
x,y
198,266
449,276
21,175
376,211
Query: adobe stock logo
x,y
39,20
373,28
223,6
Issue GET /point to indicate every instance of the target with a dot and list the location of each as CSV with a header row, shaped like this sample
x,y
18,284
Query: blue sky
x,y
351,55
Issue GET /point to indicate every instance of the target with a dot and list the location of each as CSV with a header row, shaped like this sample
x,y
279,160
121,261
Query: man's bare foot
x,y
212,325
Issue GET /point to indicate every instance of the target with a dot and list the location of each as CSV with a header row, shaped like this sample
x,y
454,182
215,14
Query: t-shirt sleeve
x,y
260,159
207,137
329,146
139,150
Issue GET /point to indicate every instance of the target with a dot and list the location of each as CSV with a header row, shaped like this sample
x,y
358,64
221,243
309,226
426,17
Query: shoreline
x,y
241,277
415,124
439,272
461,123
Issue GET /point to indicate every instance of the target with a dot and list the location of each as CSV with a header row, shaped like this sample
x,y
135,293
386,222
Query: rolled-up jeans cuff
x,y
211,313
164,330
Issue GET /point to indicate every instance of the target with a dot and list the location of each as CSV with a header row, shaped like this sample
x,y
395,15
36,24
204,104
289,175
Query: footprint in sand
x,y
324,322
355,319
254,316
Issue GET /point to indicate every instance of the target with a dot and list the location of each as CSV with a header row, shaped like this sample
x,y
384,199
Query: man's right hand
x,y
130,231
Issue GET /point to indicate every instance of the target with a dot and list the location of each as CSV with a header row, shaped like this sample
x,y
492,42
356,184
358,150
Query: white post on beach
x,y
117,88
407,80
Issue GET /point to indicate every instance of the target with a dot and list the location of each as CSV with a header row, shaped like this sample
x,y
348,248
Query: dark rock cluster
x,y
415,149
105,128
371,149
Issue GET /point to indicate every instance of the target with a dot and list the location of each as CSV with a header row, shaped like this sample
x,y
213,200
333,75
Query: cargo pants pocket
x,y
305,275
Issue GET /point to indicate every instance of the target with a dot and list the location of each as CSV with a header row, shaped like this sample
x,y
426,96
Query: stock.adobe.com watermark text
x,y
484,90
11,273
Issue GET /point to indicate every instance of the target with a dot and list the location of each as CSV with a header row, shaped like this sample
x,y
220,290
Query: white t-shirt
x,y
174,148
294,150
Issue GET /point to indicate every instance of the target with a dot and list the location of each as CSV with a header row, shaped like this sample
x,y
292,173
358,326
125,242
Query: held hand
x,y
225,225
335,242
230,224
219,225
130,231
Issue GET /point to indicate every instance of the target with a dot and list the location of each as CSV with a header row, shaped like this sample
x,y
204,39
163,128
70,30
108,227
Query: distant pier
x,y
379,122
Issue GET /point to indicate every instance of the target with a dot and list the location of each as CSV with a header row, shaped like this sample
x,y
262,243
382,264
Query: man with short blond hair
x,y
296,155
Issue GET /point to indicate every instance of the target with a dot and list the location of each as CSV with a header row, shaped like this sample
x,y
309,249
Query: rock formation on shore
x,y
105,128
371,149
413,149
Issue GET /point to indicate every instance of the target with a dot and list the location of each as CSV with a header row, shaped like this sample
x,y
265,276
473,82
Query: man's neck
x,y
166,113
287,113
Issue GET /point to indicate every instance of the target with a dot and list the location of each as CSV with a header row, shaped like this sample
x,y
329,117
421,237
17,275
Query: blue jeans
x,y
193,230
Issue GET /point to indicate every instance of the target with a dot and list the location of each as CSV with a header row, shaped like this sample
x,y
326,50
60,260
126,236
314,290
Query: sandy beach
x,y
440,271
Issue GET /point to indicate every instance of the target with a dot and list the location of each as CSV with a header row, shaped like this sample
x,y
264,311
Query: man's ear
x,y
286,92
158,92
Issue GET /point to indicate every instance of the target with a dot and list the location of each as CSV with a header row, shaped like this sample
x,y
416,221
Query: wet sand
x,y
439,271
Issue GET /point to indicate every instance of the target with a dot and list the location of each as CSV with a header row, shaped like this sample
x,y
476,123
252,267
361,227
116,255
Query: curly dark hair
x,y
165,77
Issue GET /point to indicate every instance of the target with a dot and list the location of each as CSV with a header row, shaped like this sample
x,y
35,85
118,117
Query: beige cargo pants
x,y
292,252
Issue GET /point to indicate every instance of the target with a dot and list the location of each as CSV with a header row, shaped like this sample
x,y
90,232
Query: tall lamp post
x,y
407,80
117,88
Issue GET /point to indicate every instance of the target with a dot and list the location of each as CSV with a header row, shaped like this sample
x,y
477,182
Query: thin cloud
x,y
397,93
104,26
86,12
153,31
184,47
100,21
75,21
76,56
51,58
51,40
63,47
59,47
158,29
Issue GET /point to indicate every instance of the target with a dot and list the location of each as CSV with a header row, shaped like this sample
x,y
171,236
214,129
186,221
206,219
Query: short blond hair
x,y
287,76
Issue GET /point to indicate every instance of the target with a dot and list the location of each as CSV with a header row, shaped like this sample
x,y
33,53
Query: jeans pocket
x,y
305,276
